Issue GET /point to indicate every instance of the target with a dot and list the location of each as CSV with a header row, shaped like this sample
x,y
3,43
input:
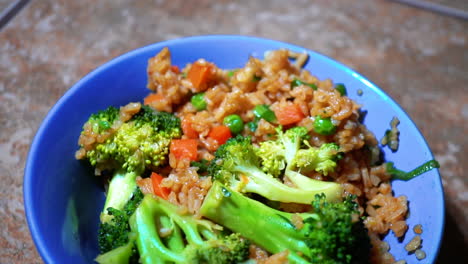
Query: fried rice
x,y
268,81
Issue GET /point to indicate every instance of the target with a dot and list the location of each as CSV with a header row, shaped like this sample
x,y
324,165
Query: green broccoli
x,y
165,234
116,240
103,120
286,154
136,145
237,165
332,233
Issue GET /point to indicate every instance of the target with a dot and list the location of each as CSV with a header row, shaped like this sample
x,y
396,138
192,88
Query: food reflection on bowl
x,y
63,203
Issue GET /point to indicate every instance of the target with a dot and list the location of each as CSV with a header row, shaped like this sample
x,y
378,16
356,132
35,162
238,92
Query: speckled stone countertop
x,y
419,58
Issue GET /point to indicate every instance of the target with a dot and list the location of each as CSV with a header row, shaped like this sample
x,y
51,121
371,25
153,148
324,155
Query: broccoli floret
x,y
116,240
321,159
237,165
133,146
332,233
103,120
272,159
287,154
165,234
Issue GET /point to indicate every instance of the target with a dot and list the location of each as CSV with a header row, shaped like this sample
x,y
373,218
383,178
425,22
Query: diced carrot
x,y
146,185
199,74
184,148
220,133
188,129
159,190
152,98
175,69
289,114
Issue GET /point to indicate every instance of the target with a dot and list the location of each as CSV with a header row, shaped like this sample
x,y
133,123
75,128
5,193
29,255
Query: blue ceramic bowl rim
x,y
28,172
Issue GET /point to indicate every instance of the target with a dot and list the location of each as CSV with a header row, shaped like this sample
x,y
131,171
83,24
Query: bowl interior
x,y
63,198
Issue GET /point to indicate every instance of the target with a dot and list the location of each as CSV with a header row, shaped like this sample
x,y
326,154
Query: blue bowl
x,y
63,199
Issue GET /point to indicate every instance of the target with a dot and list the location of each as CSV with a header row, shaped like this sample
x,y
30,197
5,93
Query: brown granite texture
x,y
419,58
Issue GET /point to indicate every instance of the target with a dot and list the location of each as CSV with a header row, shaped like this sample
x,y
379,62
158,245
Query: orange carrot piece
x,y
152,98
220,133
289,114
175,69
199,74
188,129
184,148
159,190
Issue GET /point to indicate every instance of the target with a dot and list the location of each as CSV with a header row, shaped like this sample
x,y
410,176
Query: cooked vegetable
x,y
297,82
153,97
159,190
198,101
166,235
235,123
263,111
184,149
324,126
237,165
103,120
116,240
175,69
289,114
199,75
220,133
291,153
332,233
405,176
202,165
140,143
341,88
253,125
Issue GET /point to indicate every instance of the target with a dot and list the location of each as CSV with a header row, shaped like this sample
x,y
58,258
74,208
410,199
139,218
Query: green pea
x,y
341,88
297,82
235,123
324,126
263,111
198,101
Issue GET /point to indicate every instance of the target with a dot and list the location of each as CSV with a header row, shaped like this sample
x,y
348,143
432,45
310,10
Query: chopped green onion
x,y
235,123
231,73
341,88
297,82
198,101
263,111
324,126
405,176
252,126
256,78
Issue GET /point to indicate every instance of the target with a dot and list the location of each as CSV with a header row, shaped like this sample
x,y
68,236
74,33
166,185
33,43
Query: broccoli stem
x,y
269,187
332,190
121,188
175,240
244,215
151,246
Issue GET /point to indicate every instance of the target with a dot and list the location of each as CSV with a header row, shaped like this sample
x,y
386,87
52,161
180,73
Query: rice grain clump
x,y
294,98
